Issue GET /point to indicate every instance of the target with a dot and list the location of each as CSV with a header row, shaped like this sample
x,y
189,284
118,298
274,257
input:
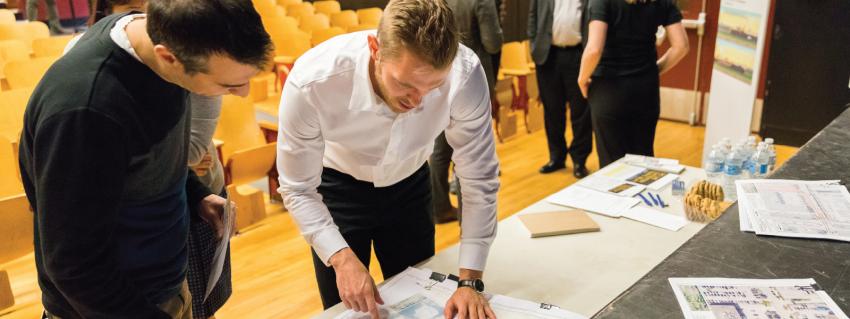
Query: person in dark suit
x,y
555,31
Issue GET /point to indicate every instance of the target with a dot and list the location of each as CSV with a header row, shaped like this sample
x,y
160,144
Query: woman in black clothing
x,y
621,60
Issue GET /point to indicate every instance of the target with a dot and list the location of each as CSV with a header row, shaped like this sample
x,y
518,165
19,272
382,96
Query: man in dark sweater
x,y
103,154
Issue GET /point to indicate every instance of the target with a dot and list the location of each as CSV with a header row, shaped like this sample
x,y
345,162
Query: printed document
x,y
422,294
651,178
721,298
228,219
592,201
668,165
806,209
610,185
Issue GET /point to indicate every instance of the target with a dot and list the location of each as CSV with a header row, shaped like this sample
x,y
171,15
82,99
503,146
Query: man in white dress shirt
x,y
358,118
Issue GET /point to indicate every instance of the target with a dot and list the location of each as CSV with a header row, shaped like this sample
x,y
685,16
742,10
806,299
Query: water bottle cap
x,y
768,140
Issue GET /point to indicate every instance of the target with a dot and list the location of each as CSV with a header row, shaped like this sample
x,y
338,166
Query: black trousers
x,y
439,164
395,219
625,112
557,79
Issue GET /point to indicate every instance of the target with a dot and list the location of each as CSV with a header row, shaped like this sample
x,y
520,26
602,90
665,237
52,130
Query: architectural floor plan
x,y
723,298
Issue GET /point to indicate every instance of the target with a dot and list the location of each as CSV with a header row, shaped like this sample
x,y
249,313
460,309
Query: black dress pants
x,y
557,79
396,219
439,165
625,113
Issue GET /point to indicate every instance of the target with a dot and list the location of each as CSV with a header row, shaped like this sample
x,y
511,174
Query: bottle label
x,y
763,169
733,170
713,167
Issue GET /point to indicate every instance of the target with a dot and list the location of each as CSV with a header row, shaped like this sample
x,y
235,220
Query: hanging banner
x,y
738,52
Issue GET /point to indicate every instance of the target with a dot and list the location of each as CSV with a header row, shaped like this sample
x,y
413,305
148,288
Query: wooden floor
x,y
272,267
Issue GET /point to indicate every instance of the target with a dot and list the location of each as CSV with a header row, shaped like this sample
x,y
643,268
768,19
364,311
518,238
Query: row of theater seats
x,y
26,52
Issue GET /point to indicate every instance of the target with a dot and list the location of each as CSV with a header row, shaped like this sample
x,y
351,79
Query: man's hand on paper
x,y
211,210
356,286
467,303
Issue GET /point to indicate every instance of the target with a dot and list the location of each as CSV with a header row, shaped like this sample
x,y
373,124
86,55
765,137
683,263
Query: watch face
x,y
475,284
478,285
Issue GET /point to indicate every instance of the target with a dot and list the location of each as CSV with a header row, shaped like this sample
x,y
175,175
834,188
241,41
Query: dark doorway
x,y
808,74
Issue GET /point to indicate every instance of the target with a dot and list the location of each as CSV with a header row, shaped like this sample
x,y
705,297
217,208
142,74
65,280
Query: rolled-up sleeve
x,y
300,148
471,136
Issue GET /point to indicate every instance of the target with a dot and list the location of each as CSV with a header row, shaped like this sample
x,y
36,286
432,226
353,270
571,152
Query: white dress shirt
x,y
566,23
330,116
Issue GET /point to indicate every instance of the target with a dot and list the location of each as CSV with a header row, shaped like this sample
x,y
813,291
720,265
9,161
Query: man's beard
x,y
391,102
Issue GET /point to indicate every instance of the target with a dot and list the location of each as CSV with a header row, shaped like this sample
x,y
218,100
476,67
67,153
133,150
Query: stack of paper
x,y
593,201
614,186
720,298
668,165
789,208
228,219
422,294
637,175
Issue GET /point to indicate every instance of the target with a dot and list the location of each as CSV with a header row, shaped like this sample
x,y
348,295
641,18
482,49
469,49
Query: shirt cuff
x,y
473,256
328,242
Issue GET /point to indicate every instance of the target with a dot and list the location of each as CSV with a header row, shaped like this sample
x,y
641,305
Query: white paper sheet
x,y
228,218
663,182
413,294
668,165
655,218
805,209
720,298
620,171
592,201
651,178
609,185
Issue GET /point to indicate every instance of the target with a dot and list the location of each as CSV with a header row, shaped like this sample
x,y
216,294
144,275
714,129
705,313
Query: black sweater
x,y
103,161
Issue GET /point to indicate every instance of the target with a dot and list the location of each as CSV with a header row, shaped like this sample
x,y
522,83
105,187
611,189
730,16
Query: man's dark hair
x,y
193,30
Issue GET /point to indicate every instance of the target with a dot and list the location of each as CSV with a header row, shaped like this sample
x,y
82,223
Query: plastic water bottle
x,y
751,141
727,144
761,161
732,172
714,164
747,151
771,151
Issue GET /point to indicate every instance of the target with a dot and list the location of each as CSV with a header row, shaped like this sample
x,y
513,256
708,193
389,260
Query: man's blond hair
x,y
425,28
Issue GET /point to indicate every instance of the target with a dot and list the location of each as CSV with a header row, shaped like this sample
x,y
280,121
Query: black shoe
x,y
580,171
551,167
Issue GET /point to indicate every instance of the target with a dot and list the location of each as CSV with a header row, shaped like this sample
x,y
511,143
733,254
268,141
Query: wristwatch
x,y
475,284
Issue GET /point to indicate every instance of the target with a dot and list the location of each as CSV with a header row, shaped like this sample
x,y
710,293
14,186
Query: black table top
x,y
721,249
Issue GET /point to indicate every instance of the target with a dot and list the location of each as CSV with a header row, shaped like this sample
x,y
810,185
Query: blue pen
x,y
645,200
663,204
653,199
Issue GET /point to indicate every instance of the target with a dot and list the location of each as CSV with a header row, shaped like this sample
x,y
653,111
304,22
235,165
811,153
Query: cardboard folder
x,y
558,223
